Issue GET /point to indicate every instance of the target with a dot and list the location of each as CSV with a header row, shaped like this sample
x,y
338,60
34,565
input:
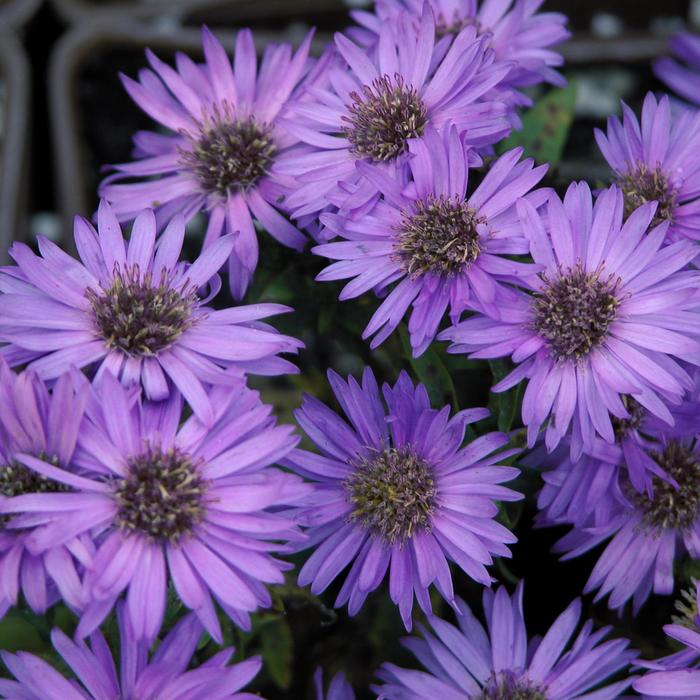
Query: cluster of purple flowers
x,y
138,466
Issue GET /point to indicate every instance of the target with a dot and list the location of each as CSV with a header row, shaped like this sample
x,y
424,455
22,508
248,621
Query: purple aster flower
x,y
375,103
575,491
339,688
163,677
612,312
226,134
682,75
497,663
34,421
443,246
647,531
196,502
576,488
396,491
517,31
677,675
133,310
657,160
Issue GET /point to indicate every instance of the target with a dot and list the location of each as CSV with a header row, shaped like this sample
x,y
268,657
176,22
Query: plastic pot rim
x,y
13,150
15,13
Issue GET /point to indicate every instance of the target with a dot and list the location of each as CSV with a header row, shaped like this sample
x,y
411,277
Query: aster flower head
x,y
225,136
394,490
473,663
132,309
376,102
682,73
656,159
94,676
194,505
612,315
338,689
677,675
647,531
577,489
517,31
444,246
44,424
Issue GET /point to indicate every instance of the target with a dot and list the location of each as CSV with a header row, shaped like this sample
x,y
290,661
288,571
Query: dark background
x,y
64,115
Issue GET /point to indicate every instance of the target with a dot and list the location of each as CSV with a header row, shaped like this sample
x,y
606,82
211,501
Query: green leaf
x,y
509,407
279,289
23,630
688,571
431,371
507,404
277,647
546,126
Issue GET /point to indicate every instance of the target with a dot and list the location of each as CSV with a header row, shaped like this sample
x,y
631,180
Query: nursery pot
x,y
14,117
15,13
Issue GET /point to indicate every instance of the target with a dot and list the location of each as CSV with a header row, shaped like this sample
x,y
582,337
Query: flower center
x,y
643,185
445,26
573,313
506,685
230,155
162,495
671,507
393,493
624,426
439,236
17,480
139,316
383,118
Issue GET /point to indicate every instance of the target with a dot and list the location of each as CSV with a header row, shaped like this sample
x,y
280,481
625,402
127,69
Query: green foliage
x,y
505,405
546,126
430,369
687,572
20,630
277,645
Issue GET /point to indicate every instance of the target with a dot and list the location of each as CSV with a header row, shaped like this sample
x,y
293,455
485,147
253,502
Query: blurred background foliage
x,y
76,118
